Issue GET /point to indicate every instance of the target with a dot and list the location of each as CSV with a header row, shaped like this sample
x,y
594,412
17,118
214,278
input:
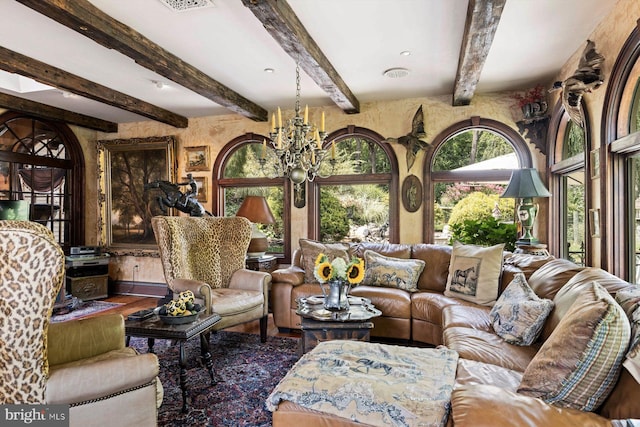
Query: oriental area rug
x,y
246,370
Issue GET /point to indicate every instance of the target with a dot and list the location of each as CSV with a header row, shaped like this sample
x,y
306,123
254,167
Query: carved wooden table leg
x,y
206,357
183,377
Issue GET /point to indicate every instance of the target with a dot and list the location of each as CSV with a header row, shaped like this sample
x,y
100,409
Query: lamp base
x,y
258,244
527,241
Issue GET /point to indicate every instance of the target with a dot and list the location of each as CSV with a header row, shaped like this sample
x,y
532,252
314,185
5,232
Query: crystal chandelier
x,y
298,144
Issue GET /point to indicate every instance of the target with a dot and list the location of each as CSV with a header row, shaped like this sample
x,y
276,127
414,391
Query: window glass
x,y
574,141
634,121
634,167
574,201
478,149
355,205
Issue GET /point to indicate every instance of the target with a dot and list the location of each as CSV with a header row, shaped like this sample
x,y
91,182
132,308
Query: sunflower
x,y
323,271
355,271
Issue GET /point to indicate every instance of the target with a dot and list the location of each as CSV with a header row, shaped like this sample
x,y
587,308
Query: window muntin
x,y
36,165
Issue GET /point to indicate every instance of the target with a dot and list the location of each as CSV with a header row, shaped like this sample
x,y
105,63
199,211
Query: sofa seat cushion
x,y
303,291
468,316
487,347
228,302
428,306
471,372
577,366
390,301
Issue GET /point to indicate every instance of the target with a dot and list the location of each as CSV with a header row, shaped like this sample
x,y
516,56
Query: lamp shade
x,y
525,183
256,210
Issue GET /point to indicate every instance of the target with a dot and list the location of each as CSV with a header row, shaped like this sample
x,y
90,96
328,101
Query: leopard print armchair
x,y
31,274
207,256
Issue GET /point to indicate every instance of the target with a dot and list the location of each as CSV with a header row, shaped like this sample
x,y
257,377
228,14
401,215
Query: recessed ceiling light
x,y
184,5
405,53
396,73
159,84
269,70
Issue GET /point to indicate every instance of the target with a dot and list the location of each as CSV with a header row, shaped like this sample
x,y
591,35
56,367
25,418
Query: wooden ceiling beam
x,y
14,62
482,21
37,109
88,20
281,22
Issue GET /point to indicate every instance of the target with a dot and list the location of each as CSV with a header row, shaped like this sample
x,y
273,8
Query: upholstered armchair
x,y
82,363
207,256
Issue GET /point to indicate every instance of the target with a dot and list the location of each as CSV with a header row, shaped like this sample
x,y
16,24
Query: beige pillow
x,y
310,251
474,273
578,364
391,272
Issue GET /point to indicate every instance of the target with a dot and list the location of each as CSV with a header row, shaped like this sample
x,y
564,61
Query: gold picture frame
x,y
126,207
197,158
595,163
201,182
594,222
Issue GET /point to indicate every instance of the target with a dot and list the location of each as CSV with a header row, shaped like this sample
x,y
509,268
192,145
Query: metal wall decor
x,y
411,193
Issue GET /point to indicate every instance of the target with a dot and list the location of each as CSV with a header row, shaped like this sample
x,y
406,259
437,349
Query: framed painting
x,y
595,163
127,207
594,222
197,158
201,182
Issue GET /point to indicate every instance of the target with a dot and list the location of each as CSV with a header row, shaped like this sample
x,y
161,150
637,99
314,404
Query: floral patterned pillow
x,y
391,272
519,314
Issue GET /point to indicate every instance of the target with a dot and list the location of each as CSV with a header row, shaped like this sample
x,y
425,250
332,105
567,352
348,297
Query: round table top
x,y
359,309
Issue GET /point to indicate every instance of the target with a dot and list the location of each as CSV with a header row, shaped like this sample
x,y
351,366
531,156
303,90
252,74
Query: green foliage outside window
x,y
574,141
334,221
485,232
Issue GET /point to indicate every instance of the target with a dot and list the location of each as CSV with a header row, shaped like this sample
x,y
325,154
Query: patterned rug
x,y
85,309
246,369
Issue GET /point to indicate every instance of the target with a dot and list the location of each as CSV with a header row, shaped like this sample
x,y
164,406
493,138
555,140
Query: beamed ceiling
x,y
98,63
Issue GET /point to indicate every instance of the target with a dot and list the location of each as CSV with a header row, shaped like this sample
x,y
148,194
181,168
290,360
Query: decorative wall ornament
x,y
411,193
413,140
197,158
588,77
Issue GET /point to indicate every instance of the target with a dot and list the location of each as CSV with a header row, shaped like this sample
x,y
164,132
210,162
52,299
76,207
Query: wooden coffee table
x,y
319,325
153,328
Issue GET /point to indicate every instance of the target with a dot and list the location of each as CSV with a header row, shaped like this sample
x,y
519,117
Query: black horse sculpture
x,y
174,198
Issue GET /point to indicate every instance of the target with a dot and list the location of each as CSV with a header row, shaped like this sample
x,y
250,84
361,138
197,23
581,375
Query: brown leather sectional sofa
x,y
489,369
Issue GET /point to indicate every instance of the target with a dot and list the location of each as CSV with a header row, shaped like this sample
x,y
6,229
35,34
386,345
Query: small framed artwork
x,y
411,193
197,158
595,163
201,182
594,222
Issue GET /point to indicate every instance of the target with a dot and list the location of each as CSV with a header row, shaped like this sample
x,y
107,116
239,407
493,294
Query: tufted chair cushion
x,y
207,249
31,274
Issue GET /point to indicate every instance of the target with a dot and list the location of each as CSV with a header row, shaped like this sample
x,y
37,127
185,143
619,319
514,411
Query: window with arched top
x,y
237,173
465,173
356,200
567,160
41,166
620,236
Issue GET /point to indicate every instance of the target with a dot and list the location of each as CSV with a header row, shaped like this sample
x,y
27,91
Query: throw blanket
x,y
375,384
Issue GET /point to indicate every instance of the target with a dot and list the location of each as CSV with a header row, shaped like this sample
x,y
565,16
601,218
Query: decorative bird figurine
x,y
587,78
413,140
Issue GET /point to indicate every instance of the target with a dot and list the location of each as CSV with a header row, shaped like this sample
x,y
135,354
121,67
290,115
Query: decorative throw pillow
x,y
474,273
310,251
578,364
629,300
391,272
518,315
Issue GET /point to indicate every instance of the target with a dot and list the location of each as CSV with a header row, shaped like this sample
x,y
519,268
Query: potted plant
x,y
533,103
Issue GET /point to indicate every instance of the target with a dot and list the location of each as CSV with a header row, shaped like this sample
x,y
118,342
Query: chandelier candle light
x,y
298,144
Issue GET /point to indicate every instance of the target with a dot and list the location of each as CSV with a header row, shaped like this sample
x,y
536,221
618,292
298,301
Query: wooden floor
x,y
135,303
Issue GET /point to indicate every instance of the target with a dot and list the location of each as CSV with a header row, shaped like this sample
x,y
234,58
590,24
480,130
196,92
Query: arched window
x,y
357,201
41,163
567,161
621,131
237,173
466,172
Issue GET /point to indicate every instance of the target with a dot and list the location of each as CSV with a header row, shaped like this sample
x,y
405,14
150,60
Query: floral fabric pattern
x,y
392,272
519,314
374,384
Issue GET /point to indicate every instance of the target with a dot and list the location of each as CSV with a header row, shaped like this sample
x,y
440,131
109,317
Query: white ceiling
x,y
361,38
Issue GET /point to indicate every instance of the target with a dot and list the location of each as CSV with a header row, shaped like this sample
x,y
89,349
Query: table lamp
x,y
256,210
525,184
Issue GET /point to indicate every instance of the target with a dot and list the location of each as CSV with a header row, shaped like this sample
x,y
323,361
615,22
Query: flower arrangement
x,y
338,269
533,95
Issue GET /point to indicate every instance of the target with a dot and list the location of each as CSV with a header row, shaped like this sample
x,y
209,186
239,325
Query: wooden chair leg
x,y
263,329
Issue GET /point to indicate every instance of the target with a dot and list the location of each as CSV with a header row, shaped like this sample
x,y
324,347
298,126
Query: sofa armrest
x,y
80,339
252,281
87,380
292,275
491,406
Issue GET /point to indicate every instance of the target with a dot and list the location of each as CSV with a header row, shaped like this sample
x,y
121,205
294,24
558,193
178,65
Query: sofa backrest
x,y
436,270
395,250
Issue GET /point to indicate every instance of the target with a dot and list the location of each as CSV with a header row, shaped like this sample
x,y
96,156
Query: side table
x,y
319,325
153,328
266,264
